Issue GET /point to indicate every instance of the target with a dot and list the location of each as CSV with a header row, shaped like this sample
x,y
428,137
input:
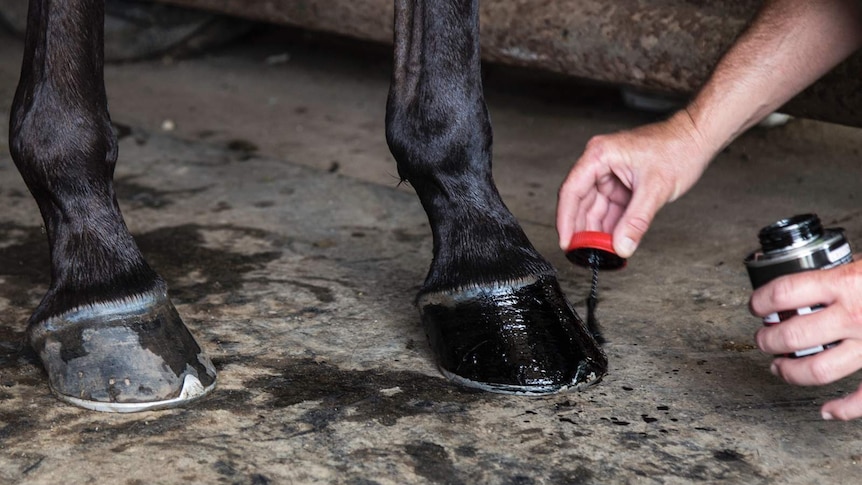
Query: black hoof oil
x,y
594,250
799,243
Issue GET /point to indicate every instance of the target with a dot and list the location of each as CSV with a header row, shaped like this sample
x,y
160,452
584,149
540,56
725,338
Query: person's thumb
x,y
635,221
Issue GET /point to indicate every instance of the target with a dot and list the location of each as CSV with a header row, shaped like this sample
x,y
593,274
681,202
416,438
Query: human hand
x,y
839,289
622,180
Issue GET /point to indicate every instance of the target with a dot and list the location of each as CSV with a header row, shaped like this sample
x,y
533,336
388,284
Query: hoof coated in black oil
x,y
126,356
522,337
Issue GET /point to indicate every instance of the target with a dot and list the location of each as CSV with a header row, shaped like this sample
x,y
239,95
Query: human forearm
x,y
790,44
623,179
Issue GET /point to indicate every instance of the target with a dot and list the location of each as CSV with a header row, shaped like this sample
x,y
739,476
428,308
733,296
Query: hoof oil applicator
x,y
593,250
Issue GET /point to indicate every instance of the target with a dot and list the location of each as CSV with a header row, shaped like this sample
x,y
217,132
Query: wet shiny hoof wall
x,y
521,337
127,356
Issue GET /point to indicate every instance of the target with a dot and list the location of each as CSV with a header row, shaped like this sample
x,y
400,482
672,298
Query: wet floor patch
x,y
178,251
135,195
363,395
175,252
24,263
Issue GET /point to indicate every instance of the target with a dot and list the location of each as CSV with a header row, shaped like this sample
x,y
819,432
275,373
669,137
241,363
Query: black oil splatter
x,y
567,404
361,481
173,252
466,451
322,293
728,455
244,149
221,206
121,130
25,265
134,195
401,235
16,423
239,145
379,395
34,465
233,400
224,468
177,251
579,475
258,479
124,131
101,431
432,462
231,358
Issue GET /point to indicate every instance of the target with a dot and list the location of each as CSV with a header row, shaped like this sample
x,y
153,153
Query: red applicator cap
x,y
588,247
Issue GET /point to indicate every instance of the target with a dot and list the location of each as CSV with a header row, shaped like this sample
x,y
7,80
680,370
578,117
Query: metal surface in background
x,y
667,46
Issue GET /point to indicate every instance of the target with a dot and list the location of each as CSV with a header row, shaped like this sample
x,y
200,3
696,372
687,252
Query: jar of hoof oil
x,y
799,243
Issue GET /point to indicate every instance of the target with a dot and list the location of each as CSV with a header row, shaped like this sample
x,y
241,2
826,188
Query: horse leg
x,y
491,305
106,332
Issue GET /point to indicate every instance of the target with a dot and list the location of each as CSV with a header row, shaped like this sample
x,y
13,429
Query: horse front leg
x,y
106,332
491,305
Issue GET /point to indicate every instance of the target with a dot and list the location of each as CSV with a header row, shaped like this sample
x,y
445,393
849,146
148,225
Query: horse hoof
x,y
123,357
521,337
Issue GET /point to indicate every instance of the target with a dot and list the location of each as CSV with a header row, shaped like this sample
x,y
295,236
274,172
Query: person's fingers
x,y
615,212
794,291
645,202
591,176
845,409
823,368
595,215
583,211
565,224
805,331
578,186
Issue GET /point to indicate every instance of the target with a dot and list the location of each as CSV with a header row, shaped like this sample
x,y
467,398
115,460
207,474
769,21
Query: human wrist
x,y
704,140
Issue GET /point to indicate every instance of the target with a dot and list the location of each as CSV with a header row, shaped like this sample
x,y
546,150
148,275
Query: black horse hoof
x,y
127,356
520,337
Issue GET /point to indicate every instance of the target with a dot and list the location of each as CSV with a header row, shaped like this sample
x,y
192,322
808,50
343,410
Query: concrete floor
x,y
273,211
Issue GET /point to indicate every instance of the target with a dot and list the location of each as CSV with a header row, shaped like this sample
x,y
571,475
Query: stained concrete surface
x,y
271,206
